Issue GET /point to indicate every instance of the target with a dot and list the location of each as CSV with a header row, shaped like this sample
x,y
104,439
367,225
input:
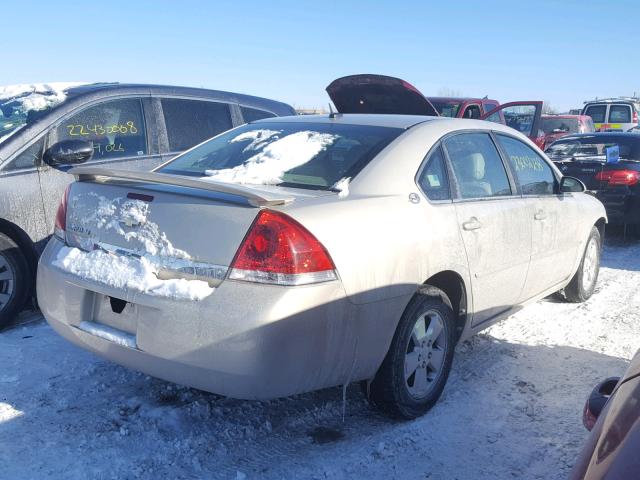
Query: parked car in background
x,y
467,107
557,126
369,245
612,414
369,93
613,114
615,177
46,128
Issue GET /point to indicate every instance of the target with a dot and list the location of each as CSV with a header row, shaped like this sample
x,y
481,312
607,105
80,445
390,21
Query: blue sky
x,y
563,52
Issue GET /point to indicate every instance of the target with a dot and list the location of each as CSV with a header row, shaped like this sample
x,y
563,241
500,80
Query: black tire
x,y
577,291
13,291
390,391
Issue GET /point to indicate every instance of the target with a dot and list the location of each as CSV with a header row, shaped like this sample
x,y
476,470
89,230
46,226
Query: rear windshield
x,y
619,114
593,148
560,125
596,112
301,154
448,108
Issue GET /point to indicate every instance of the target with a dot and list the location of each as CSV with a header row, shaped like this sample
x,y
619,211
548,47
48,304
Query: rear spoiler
x,y
255,196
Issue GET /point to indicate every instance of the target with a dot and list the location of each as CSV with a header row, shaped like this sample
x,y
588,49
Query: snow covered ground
x,y
512,407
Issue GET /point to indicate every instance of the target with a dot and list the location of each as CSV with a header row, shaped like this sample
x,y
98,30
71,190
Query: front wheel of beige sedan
x,y
415,370
584,281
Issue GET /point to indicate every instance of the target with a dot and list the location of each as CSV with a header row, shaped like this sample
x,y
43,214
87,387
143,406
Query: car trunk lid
x,y
368,93
181,220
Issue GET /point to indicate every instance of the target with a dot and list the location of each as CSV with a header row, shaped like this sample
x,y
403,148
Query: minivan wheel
x,y
415,370
14,279
584,281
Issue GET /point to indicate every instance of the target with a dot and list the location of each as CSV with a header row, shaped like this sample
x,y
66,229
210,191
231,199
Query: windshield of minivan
x,y
19,104
556,125
593,148
301,154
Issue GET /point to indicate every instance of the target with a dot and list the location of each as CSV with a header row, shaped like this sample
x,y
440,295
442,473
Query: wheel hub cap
x,y
424,358
7,282
590,265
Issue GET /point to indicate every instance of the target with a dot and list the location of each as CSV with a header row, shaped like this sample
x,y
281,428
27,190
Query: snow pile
x,y
128,273
92,217
36,96
127,218
275,157
342,186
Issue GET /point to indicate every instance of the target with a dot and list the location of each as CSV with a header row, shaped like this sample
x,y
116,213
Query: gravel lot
x,y
512,408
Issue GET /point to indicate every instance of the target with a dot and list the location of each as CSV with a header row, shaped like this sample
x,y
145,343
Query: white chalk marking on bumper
x,y
108,333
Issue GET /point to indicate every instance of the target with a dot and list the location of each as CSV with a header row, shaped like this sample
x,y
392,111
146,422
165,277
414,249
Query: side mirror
x,y
571,184
68,152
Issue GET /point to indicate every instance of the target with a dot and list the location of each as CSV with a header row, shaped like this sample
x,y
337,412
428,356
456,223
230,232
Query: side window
x,y
190,122
433,179
477,166
28,158
619,114
489,106
596,112
253,114
472,111
115,127
534,175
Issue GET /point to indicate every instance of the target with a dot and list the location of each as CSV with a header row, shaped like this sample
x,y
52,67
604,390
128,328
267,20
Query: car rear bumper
x,y
245,340
622,205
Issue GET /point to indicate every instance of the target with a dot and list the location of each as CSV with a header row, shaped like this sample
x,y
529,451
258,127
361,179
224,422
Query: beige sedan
x,y
299,253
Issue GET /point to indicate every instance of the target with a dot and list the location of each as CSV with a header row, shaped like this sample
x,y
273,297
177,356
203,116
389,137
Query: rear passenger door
x,y
190,121
553,216
493,223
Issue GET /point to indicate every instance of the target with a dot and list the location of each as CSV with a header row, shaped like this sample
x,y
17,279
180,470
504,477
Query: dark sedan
x,y
609,164
612,413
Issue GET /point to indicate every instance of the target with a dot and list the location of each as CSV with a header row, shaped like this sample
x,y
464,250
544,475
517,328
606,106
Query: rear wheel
x,y
15,279
584,281
415,370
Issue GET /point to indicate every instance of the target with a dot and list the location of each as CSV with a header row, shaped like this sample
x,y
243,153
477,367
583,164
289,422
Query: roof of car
x,y
633,136
567,116
96,88
380,120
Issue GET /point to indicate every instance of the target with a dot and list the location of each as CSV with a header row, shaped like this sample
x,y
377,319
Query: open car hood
x,y
368,93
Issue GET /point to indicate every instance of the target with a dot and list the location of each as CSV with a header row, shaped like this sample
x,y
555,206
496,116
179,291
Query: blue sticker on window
x,y
613,154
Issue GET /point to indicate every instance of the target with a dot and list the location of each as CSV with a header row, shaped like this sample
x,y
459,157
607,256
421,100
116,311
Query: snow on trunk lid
x,y
116,238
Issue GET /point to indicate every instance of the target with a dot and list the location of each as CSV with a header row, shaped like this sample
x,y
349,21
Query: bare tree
x,y
449,92
549,109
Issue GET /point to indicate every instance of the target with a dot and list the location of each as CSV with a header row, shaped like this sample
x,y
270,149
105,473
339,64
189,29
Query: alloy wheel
x,y
425,354
7,282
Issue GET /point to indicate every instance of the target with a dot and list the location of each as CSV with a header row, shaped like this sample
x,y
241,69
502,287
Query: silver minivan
x,y
613,114
46,128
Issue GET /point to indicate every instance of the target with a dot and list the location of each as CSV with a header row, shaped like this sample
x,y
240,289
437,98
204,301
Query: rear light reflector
x,y
279,250
635,117
60,227
619,177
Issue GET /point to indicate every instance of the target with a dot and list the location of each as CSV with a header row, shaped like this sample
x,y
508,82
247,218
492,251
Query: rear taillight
x,y
635,117
61,216
278,250
619,177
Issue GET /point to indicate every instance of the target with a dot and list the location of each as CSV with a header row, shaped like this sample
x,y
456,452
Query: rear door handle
x,y
540,215
472,224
